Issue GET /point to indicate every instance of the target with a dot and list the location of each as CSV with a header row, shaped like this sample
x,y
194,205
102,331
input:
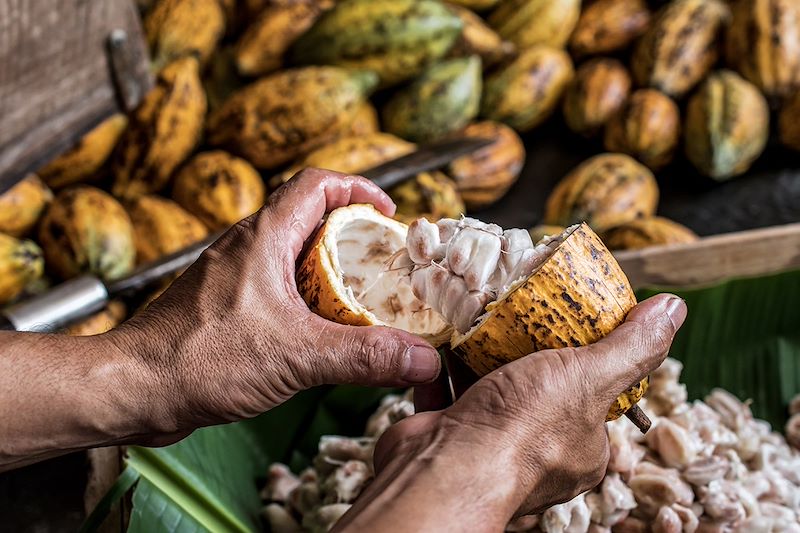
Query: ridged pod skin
x,y
219,189
763,44
178,28
349,155
282,116
85,230
397,39
788,123
22,205
541,231
161,227
526,91
647,127
599,89
20,263
484,176
646,232
529,23
680,46
83,161
727,125
443,100
365,121
604,191
608,25
577,297
107,319
261,48
477,38
164,130
431,195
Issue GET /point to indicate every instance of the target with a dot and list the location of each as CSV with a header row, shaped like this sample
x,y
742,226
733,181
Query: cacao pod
x,y
164,130
647,127
20,264
431,195
22,205
609,25
541,231
604,191
219,189
484,176
788,123
178,28
84,160
529,23
599,89
443,100
526,91
475,5
284,115
162,227
763,44
84,230
680,46
646,232
479,39
107,319
365,121
727,125
262,46
397,39
221,79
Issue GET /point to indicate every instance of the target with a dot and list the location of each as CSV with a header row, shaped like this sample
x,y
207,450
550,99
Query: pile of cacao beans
x,y
706,466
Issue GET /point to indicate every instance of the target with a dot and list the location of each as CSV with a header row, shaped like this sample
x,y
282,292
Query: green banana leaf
x,y
743,335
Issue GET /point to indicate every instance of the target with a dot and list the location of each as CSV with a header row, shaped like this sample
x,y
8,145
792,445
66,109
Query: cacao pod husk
x,y
647,232
22,205
599,89
20,264
161,227
529,23
179,28
609,25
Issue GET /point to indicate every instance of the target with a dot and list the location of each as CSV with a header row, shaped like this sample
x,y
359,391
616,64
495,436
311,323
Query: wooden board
x,y
56,77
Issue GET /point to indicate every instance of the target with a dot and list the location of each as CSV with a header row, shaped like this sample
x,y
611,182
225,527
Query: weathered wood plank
x,y
56,81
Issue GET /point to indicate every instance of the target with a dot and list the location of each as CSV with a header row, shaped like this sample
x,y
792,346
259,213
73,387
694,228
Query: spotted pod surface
x,y
608,25
397,39
163,131
85,230
763,44
647,127
727,125
646,232
477,38
442,100
484,176
529,23
219,189
284,115
161,227
525,92
604,191
599,89
20,264
428,194
22,205
680,46
83,161
179,28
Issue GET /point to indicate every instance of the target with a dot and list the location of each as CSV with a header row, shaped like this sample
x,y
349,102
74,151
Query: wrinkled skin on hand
x,y
232,337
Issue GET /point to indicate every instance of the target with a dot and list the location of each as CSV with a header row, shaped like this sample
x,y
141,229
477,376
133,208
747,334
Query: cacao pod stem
x,y
639,418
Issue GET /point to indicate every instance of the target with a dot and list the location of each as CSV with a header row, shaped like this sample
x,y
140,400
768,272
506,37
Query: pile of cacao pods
x,y
250,91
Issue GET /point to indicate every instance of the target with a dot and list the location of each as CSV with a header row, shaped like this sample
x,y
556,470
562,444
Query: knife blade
x,y
87,294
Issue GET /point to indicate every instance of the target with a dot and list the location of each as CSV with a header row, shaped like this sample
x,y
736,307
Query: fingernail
x,y
676,310
421,364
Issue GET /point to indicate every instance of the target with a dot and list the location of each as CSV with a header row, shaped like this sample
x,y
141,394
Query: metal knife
x,y
87,294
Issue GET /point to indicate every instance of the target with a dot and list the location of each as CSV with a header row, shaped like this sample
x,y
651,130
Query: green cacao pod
x,y
646,232
788,123
605,191
608,25
526,91
430,194
680,46
727,125
444,99
529,23
22,205
20,264
647,127
395,38
599,89
763,44
284,115
85,230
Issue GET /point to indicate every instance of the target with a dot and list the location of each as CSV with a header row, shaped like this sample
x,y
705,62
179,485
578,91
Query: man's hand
x,y
528,435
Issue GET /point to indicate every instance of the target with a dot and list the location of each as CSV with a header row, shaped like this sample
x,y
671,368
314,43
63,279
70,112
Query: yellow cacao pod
x,y
107,319
20,264
599,89
22,205
608,25
161,227
178,28
431,195
529,23
646,232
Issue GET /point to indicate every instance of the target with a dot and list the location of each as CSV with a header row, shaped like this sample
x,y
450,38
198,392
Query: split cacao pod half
x,y
21,263
22,205
646,232
599,89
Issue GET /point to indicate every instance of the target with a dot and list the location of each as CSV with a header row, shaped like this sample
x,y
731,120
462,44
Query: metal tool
x,y
87,294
